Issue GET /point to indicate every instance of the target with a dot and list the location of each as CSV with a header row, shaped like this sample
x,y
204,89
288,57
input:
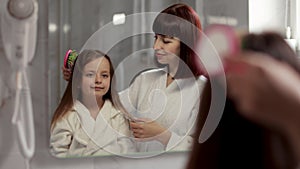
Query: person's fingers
x,y
242,60
235,80
234,65
65,69
135,125
137,133
142,137
257,88
66,73
242,78
66,76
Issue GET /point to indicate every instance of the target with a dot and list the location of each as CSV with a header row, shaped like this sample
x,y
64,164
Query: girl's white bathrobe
x,y
78,134
175,107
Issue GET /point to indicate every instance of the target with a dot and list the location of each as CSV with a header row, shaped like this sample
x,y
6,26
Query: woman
x,y
165,101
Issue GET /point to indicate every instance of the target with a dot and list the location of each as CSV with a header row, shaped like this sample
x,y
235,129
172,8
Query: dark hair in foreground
x,y
239,143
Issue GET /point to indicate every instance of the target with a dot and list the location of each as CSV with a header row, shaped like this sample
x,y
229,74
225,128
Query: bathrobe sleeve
x,y
125,139
182,143
61,138
129,97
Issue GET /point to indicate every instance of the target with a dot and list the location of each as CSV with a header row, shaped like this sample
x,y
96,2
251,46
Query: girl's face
x,y
167,49
95,79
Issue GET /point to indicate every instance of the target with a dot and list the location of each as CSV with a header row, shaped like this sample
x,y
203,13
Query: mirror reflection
x,y
138,95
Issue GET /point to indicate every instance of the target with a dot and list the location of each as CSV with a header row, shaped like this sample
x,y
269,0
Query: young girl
x,y
90,119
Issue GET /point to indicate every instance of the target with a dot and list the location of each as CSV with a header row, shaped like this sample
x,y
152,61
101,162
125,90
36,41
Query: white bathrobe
x,y
174,107
78,134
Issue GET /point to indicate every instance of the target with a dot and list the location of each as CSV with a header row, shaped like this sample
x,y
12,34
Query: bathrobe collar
x,y
99,130
178,83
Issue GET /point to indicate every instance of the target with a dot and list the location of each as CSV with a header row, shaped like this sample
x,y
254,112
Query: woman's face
x,y
167,49
95,79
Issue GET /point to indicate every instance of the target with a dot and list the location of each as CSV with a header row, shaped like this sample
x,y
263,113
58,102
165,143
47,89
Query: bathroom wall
x,y
277,16
273,12
230,12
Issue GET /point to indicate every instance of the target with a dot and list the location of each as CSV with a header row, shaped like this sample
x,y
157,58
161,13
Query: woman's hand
x,y
266,91
66,73
146,129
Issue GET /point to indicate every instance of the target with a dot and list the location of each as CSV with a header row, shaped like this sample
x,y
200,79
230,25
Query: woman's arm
x,y
183,142
129,96
146,129
66,73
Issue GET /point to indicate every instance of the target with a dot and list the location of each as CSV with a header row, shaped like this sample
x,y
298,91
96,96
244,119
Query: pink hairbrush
x,y
219,41
69,58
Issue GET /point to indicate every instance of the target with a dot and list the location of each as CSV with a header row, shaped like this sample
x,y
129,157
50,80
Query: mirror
x,y
129,45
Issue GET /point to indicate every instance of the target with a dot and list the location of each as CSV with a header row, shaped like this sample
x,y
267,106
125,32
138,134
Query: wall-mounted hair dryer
x,y
19,32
